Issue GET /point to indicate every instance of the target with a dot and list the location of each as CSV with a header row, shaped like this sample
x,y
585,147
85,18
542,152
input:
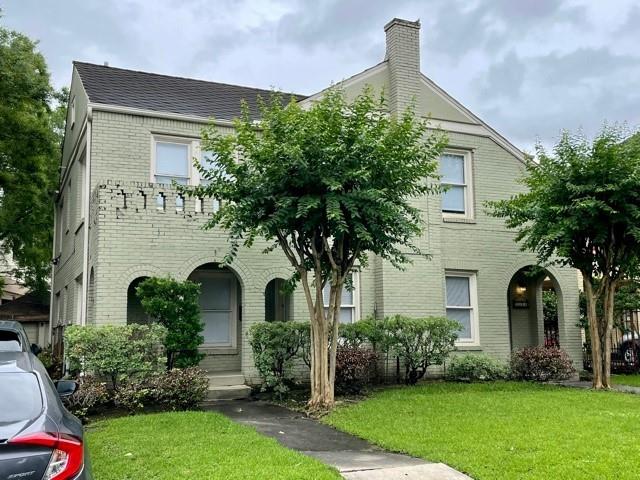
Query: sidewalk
x,y
354,458
586,385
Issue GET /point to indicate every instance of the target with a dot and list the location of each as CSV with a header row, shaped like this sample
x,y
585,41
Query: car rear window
x,y
9,341
20,397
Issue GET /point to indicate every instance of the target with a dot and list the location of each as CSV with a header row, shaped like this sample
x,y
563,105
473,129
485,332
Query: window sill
x,y
212,350
468,348
467,220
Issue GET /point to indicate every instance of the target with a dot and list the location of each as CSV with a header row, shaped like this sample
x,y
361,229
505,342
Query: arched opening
x,y
534,313
135,312
277,302
220,305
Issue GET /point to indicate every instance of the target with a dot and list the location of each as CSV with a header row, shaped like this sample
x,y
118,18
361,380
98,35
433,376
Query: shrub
x,y
541,364
476,367
51,362
134,395
90,395
115,351
175,305
355,368
275,345
181,389
366,331
420,342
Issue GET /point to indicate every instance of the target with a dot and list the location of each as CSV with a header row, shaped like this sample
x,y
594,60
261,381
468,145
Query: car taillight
x,y
67,457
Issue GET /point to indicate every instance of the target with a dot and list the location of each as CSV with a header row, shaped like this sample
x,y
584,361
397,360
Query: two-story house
x,y
129,134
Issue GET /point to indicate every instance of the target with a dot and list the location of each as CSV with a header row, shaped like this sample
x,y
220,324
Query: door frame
x,y
233,311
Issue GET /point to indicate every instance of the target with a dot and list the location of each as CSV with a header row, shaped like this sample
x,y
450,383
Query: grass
x,y
505,430
626,379
188,445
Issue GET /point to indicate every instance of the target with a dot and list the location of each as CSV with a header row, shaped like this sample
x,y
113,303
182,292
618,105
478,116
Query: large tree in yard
x,y
31,128
328,185
582,209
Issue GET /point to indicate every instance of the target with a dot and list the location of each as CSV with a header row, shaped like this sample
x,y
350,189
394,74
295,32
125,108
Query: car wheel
x,y
630,354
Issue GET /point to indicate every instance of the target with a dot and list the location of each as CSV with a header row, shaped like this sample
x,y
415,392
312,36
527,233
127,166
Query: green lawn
x,y
505,430
626,379
192,445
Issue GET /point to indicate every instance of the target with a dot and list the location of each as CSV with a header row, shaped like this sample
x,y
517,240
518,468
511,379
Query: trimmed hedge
x,y
472,367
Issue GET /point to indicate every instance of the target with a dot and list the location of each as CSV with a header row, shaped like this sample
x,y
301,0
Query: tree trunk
x,y
594,334
607,327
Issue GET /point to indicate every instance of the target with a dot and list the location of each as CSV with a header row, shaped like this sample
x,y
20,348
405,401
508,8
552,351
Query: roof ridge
x,y
75,62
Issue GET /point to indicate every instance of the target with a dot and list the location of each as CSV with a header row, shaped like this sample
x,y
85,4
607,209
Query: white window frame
x,y
356,298
474,341
189,142
469,213
233,311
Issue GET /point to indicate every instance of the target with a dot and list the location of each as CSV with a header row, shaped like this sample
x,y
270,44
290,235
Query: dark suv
x,y
39,438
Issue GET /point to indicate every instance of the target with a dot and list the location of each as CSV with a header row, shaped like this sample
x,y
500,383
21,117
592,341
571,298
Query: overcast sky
x,y
527,67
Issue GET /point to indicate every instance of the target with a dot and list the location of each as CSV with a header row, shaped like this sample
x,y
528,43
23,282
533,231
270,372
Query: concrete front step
x,y
228,392
225,379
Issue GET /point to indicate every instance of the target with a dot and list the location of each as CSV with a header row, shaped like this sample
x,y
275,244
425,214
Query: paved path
x,y
355,458
586,384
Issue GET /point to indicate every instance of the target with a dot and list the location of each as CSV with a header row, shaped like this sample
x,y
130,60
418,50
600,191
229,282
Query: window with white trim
x,y
349,311
457,197
172,160
462,305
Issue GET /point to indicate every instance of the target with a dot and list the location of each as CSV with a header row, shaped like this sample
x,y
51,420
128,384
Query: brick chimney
x,y
403,57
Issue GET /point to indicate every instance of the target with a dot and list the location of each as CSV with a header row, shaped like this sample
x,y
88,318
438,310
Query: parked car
x,y
13,338
629,348
39,438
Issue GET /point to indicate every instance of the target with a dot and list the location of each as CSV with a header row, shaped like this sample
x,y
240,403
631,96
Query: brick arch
x,y
141,271
244,275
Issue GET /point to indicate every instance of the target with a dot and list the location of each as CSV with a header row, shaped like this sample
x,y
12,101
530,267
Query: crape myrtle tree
x,y
328,185
582,209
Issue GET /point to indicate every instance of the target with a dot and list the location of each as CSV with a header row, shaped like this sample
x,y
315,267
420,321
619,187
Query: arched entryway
x,y
135,312
220,307
277,301
533,299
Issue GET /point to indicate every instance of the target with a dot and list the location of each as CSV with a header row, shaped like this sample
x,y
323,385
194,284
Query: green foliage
x,y
133,395
541,364
472,367
366,331
116,352
275,346
420,342
30,141
90,395
181,388
627,299
175,305
337,170
549,305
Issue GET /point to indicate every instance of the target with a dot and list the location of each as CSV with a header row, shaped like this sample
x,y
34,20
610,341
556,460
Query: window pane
x,y
346,315
20,398
458,292
453,199
217,327
215,292
347,296
452,168
464,318
172,159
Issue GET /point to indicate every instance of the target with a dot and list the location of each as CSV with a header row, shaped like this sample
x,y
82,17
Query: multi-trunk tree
x,y
582,209
328,184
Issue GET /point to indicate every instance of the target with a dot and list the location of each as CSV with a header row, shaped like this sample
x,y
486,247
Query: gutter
x,y
86,203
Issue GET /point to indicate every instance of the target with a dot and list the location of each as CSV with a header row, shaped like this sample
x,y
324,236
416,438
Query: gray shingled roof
x,y
163,93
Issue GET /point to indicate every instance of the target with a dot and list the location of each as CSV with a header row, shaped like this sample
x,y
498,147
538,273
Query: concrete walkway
x,y
586,384
355,458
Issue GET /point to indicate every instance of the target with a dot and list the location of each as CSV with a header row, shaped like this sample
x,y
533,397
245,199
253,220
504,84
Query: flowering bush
x,y
541,364
181,388
89,395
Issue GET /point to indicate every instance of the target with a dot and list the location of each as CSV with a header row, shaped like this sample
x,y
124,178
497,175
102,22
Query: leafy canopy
x,y
582,204
30,138
337,179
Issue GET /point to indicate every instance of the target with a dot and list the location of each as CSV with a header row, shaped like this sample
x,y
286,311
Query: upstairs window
x,y
172,161
455,168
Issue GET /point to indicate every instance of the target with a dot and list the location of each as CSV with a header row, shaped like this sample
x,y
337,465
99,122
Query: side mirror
x,y
35,349
65,388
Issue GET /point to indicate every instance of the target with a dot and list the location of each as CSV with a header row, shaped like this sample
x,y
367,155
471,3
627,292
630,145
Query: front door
x,y
219,308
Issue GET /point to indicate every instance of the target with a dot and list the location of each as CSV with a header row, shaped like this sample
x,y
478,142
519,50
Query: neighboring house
x,y
10,288
118,220
33,313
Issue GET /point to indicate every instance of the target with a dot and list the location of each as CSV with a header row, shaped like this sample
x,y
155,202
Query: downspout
x,y
86,200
